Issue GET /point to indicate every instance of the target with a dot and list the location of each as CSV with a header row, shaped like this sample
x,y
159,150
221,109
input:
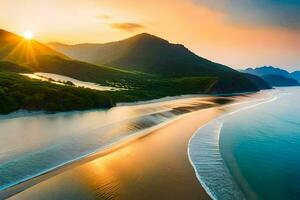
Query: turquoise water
x,y
258,151
261,147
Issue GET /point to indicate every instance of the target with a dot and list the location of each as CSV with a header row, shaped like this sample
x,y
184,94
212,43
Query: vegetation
x,y
258,81
148,68
149,54
20,92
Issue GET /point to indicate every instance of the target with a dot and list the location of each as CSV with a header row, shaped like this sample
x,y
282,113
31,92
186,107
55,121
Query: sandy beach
x,y
152,167
155,166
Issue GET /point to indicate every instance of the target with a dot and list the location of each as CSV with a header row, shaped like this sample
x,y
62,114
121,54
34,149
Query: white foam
x,y
218,122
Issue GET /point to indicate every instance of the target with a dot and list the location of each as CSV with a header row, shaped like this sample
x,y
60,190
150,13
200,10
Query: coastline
x,y
194,186
208,135
115,148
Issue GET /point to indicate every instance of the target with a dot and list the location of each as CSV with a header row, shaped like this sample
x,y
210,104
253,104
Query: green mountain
x,y
145,66
12,67
36,57
149,54
146,53
258,81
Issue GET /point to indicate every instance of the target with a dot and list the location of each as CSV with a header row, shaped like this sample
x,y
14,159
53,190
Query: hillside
x,y
175,72
258,81
19,92
296,75
12,67
16,49
280,81
141,52
146,53
150,54
18,54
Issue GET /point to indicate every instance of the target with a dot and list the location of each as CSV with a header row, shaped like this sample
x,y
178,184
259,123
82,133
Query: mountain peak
x,y
146,37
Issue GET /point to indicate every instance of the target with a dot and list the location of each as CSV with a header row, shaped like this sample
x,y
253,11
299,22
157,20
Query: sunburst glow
x,y
28,35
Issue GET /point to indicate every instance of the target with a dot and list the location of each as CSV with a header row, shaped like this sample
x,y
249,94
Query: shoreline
x,y
23,185
220,120
112,148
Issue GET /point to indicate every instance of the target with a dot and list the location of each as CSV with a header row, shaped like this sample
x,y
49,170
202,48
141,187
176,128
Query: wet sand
x,y
155,166
152,167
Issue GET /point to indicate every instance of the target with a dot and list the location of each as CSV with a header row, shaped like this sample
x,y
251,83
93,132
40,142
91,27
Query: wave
x,y
205,156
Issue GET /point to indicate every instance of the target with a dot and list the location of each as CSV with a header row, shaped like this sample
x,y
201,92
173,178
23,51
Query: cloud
x,y
104,17
126,26
280,13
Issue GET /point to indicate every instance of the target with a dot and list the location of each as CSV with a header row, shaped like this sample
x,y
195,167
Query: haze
x,y
239,34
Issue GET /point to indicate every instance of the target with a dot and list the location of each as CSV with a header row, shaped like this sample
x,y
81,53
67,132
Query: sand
x,y
155,166
152,167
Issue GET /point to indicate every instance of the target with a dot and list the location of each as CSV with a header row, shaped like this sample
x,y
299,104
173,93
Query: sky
x,y
237,33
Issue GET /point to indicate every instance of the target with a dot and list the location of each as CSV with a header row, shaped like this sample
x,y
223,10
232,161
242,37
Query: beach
x,y
154,166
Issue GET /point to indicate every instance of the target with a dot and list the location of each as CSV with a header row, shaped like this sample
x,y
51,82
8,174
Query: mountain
x,y
258,81
18,54
296,75
260,71
12,67
280,81
149,63
16,49
146,53
275,77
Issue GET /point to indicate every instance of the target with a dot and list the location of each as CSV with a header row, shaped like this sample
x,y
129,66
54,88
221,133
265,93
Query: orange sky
x,y
208,32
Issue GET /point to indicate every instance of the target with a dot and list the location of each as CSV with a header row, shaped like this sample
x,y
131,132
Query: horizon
x,y
238,35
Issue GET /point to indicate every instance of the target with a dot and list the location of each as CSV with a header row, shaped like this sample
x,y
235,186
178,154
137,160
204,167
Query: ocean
x,y
252,153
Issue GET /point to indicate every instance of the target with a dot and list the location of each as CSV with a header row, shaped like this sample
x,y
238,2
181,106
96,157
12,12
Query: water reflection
x,y
33,145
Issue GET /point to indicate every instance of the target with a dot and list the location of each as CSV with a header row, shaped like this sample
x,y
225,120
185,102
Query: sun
x,y
28,35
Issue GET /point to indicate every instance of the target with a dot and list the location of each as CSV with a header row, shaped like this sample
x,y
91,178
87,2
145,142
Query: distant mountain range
x,y
275,76
146,66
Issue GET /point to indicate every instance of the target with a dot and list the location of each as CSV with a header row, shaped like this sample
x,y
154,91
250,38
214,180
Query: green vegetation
x,y
11,67
148,67
19,92
149,54
158,88
258,81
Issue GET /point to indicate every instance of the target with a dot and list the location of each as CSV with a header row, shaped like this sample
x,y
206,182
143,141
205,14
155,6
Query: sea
x,y
252,152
